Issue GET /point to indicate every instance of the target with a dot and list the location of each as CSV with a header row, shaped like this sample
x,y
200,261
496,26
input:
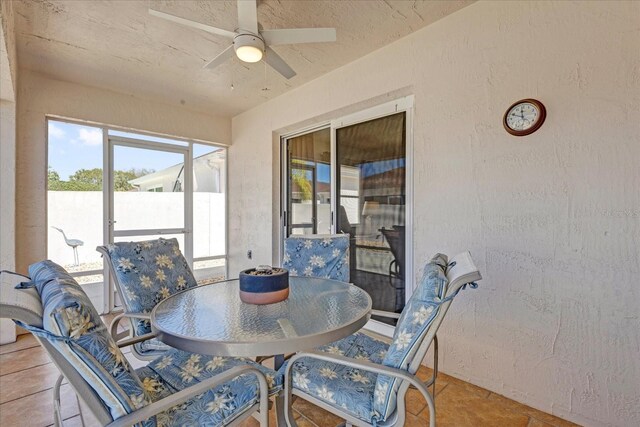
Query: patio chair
x,y
177,389
364,380
318,255
144,274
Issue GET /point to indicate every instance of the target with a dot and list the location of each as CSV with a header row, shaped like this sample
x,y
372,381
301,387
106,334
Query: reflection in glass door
x,y
309,183
371,204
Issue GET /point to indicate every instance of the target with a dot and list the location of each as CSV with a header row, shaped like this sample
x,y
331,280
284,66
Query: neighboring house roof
x,y
174,172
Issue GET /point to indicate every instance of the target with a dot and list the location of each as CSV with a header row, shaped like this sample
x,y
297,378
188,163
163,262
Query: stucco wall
x,y
8,60
7,151
39,96
553,219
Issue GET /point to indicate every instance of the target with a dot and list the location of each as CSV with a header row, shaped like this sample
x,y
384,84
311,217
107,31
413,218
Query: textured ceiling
x,y
117,45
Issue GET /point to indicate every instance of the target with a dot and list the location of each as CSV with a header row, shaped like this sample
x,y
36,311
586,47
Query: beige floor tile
x,y
316,414
25,388
415,401
417,420
23,383
537,423
22,359
462,406
36,409
303,422
23,341
474,389
250,422
527,410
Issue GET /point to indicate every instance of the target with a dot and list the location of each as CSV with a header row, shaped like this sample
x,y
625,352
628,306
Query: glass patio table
x,y
211,319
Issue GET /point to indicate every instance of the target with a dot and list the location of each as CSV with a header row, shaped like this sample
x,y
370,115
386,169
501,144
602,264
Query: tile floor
x,y
27,377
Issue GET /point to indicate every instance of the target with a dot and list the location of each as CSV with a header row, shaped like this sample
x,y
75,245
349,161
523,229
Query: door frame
x,y
285,215
109,193
403,104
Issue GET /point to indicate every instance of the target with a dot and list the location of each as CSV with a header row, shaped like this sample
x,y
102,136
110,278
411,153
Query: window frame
x,y
107,163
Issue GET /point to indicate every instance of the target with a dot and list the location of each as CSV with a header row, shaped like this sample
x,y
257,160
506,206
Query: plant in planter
x,y
264,285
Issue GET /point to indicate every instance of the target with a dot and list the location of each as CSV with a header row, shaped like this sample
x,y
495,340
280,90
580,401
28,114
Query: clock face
x,y
522,116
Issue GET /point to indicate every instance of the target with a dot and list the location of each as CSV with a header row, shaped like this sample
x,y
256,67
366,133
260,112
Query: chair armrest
x,y
190,392
113,327
388,314
143,316
130,341
364,365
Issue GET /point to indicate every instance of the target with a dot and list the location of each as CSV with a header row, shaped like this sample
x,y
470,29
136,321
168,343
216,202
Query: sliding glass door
x,y
308,175
371,193
367,195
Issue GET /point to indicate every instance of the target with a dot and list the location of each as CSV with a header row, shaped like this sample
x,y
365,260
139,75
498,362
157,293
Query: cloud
x,y
55,131
90,137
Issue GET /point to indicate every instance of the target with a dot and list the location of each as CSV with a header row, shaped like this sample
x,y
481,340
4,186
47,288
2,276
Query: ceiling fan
x,y
250,44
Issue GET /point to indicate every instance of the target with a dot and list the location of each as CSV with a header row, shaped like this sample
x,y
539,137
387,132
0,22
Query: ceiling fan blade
x,y
278,64
193,24
299,35
248,15
222,57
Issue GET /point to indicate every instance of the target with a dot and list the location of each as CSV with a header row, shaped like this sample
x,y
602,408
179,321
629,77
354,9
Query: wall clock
x,y
524,117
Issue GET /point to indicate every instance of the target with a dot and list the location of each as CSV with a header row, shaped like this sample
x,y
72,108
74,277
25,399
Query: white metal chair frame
x,y
25,306
461,271
131,316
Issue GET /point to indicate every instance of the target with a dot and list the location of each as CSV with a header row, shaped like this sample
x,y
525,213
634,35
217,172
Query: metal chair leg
x,y
57,413
435,365
82,423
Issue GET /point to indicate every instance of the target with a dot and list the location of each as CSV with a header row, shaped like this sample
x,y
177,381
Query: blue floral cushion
x,y
73,326
410,332
152,347
148,272
177,370
349,389
324,256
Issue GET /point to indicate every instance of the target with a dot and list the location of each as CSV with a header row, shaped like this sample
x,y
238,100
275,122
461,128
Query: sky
x,y
73,147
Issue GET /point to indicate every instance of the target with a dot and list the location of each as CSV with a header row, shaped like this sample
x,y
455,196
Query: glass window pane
x,y
209,210
148,189
74,202
371,201
209,270
309,169
180,238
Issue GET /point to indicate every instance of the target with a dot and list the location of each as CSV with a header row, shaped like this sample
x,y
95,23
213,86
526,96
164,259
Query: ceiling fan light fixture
x,y
248,47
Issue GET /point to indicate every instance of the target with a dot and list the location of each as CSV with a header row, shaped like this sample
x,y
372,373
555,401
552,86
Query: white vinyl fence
x,y
80,215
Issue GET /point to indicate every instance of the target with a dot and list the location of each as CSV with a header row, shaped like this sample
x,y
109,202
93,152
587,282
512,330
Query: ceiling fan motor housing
x,y
248,47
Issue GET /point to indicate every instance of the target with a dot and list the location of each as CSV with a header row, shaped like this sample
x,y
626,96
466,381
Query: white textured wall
x,y
7,152
39,96
552,219
8,60
7,202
